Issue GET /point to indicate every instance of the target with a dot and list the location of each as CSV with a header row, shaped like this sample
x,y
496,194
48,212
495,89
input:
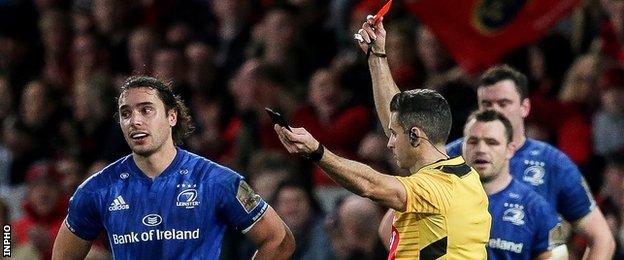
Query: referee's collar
x,y
457,160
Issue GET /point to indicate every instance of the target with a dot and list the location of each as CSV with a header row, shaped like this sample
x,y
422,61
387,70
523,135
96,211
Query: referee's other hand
x,y
299,141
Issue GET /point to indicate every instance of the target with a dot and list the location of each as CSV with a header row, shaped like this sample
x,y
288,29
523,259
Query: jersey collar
x,y
457,160
171,168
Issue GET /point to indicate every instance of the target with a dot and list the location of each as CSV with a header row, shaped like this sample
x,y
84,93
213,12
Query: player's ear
x,y
510,151
172,116
525,107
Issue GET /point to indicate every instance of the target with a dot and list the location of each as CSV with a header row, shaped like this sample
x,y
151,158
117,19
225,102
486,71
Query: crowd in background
x,y
62,62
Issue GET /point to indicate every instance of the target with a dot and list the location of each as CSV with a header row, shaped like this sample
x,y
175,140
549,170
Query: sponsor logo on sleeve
x,y
556,236
247,197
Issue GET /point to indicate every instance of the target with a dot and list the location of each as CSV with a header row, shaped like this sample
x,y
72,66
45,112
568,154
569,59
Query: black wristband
x,y
370,51
317,154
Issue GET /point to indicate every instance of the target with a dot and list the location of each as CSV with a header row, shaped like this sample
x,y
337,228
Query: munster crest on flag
x,y
479,32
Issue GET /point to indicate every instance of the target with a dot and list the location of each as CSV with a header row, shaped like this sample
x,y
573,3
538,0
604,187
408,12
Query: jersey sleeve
x,y
454,148
574,200
83,217
428,192
238,204
548,229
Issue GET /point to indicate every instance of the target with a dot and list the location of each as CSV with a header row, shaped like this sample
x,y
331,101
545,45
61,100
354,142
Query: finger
x,y
300,131
358,37
379,26
370,18
369,30
364,35
280,134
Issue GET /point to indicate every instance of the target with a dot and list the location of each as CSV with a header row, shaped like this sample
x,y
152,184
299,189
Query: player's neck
x,y
519,138
500,183
153,165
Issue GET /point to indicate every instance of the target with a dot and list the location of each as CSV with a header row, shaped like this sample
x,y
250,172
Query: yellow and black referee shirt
x,y
446,214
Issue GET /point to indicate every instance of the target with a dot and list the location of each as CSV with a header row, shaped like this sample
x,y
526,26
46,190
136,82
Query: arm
x,y
272,237
384,87
385,228
600,241
358,178
69,246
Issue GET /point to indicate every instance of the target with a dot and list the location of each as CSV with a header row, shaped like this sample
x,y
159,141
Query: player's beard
x,y
146,150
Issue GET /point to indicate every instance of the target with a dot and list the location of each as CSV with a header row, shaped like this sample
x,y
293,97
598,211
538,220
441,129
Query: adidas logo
x,y
118,204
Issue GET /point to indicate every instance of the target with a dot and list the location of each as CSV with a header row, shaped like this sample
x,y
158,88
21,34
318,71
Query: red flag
x,y
479,32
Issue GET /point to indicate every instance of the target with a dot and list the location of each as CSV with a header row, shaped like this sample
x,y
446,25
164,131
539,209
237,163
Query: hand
x,y
369,32
299,141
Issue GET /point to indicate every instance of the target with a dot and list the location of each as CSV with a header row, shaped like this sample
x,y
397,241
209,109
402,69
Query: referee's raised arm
x,y
384,87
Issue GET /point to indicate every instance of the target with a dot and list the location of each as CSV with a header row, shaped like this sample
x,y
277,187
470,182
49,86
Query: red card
x,y
382,12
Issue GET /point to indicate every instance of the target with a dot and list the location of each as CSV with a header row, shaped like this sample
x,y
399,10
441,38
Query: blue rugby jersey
x,y
522,223
551,174
181,214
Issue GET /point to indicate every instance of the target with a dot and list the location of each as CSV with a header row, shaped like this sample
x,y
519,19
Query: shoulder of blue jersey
x,y
455,148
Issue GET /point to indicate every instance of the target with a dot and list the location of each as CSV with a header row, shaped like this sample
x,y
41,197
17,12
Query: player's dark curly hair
x,y
184,126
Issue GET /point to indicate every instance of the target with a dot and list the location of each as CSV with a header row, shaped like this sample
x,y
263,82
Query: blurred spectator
x,y
302,214
210,119
55,33
178,34
579,99
232,33
201,74
6,98
608,122
93,130
44,211
276,40
353,229
435,59
612,30
255,86
71,174
613,174
332,118
5,213
170,65
267,170
82,20
87,57
112,23
373,151
402,58
142,44
20,150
